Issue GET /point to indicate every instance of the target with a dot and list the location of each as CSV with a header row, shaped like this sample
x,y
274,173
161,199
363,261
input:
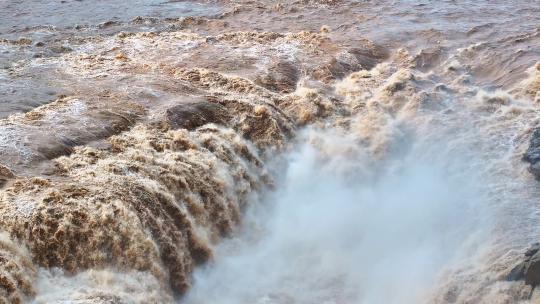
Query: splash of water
x,y
338,235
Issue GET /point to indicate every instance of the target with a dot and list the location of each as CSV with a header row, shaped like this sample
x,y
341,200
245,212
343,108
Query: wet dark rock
x,y
529,268
532,156
282,77
532,250
532,272
195,114
517,273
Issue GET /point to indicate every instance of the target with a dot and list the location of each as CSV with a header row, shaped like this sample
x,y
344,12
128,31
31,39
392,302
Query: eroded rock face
x,y
532,156
529,269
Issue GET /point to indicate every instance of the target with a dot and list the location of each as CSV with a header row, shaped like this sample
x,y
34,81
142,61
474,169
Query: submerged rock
x,y
532,156
529,269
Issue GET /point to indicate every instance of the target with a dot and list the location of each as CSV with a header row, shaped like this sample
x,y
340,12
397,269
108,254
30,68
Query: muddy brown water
x,y
152,128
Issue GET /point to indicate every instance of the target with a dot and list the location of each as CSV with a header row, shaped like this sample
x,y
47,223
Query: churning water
x,y
337,232
237,152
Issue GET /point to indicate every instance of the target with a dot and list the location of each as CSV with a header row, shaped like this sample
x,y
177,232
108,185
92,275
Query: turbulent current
x,y
230,152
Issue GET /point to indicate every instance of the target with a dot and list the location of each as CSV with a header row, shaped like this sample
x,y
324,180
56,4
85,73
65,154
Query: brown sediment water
x,y
264,152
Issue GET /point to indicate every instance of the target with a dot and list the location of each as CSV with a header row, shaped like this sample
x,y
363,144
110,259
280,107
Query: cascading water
x,y
361,233
387,209
262,152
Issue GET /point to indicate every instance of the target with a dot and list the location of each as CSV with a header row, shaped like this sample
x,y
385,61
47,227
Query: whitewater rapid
x,y
337,233
405,204
314,151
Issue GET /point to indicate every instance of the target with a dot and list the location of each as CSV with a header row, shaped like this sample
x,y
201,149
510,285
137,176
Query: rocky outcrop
x,y
529,268
532,156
